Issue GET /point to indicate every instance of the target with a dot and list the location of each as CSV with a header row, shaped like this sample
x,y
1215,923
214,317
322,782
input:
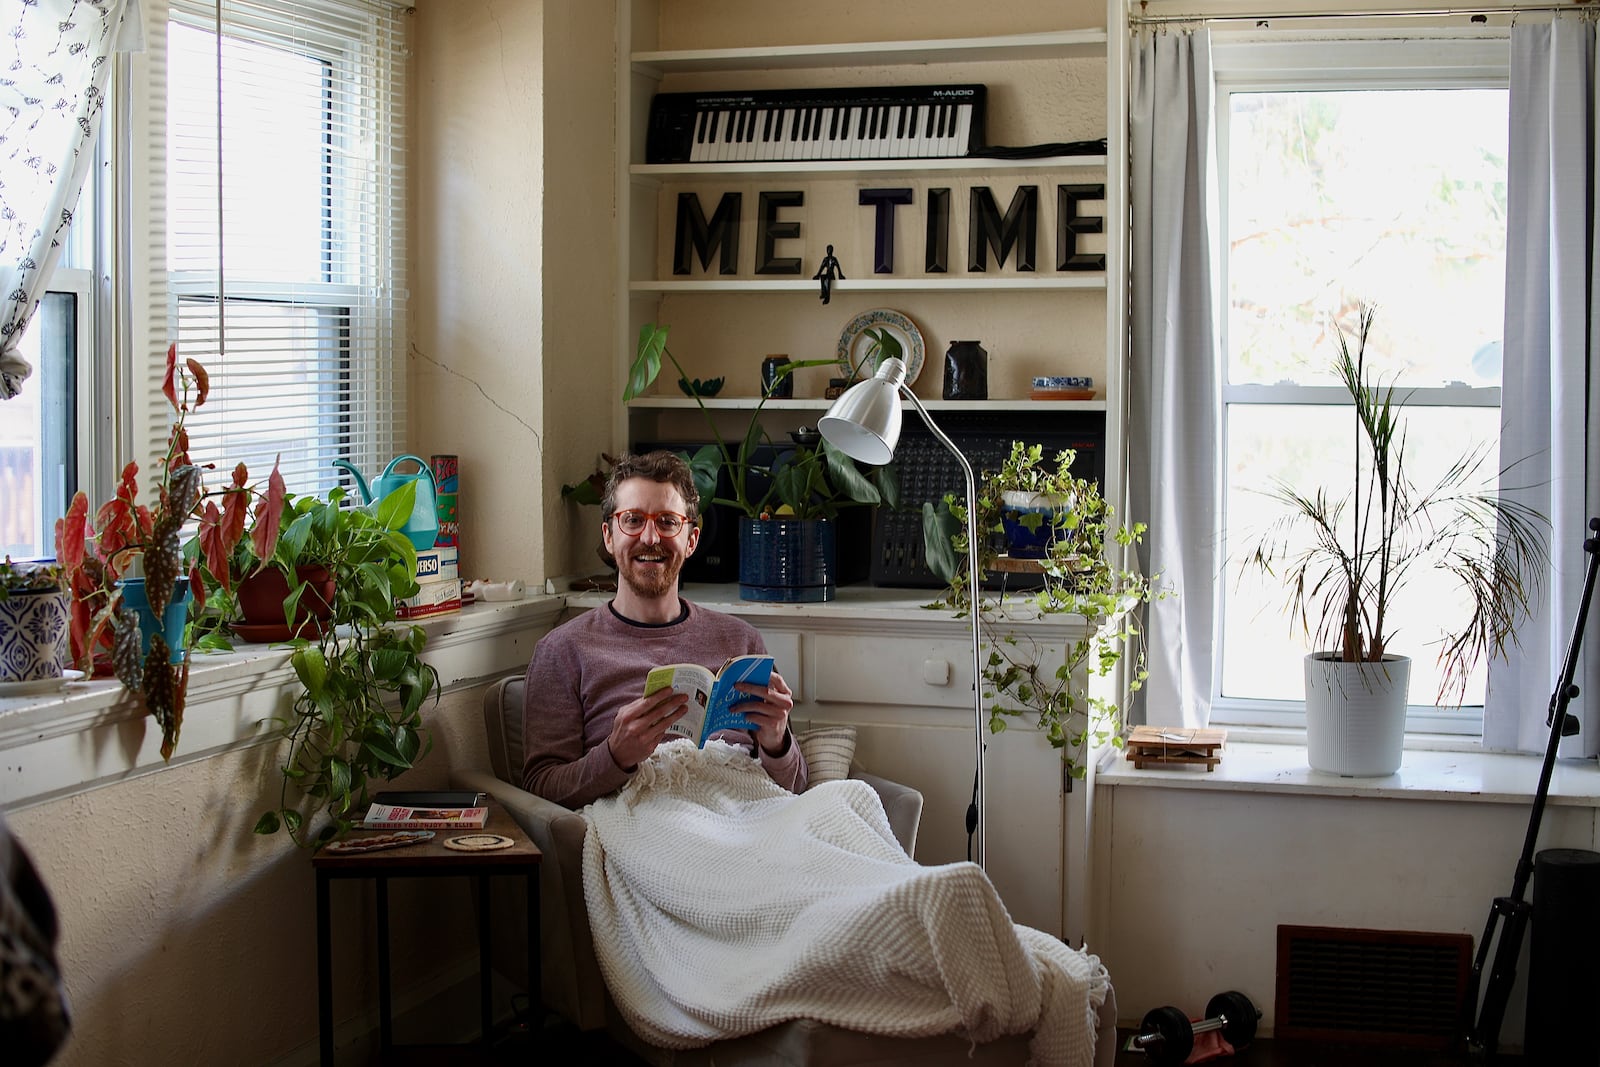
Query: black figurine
x,y
827,274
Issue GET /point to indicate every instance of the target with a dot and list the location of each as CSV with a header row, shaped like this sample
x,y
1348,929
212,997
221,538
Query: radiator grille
x,y
1389,987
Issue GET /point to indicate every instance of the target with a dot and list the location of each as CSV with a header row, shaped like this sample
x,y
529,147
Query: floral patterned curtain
x,y
55,61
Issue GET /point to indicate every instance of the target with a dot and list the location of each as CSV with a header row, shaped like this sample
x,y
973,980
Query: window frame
x,y
1311,61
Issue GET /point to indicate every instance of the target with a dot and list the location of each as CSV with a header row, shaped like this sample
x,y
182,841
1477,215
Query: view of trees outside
x,y
1394,198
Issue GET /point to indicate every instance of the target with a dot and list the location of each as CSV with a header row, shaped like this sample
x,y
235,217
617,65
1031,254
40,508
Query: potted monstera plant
x,y
787,547
124,565
1344,558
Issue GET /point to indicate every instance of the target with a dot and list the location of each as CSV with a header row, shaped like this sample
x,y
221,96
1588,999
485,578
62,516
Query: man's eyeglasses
x,y
668,523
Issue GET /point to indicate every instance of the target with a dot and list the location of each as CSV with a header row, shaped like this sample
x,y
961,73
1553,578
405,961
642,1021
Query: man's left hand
x,y
769,711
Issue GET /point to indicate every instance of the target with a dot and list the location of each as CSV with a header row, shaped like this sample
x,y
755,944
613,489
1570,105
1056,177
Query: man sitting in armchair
x,y
586,728
724,897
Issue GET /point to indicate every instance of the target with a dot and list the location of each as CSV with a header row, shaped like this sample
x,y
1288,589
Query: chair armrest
x,y
901,803
571,979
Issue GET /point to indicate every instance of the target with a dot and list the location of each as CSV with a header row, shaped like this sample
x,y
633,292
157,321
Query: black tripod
x,y
1483,1024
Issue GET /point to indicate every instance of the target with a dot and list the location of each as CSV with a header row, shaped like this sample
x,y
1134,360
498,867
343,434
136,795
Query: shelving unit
x,y
723,325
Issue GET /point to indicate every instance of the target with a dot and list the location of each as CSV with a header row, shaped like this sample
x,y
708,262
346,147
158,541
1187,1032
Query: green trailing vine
x,y
358,716
1023,680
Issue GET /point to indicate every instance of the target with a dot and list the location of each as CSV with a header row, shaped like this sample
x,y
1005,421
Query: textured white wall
x,y
186,939
476,373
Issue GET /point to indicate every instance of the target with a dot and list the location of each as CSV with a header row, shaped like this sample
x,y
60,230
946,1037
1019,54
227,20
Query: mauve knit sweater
x,y
584,670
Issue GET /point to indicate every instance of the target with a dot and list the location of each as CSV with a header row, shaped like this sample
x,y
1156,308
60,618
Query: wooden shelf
x,y
1063,44
966,283
850,168
721,403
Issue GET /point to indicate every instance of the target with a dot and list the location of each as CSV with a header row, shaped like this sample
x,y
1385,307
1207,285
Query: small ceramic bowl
x,y
709,387
1063,381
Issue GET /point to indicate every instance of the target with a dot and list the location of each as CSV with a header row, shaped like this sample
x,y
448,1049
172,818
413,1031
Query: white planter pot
x,y
1356,715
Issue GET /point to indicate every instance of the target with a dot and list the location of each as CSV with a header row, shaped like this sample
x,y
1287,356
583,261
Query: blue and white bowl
x,y
1063,381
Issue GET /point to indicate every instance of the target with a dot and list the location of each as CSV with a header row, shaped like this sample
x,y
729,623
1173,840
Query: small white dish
x,y
1064,381
35,686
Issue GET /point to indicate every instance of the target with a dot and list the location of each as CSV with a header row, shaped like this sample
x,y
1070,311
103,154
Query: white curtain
x,y
1172,376
51,99
1550,394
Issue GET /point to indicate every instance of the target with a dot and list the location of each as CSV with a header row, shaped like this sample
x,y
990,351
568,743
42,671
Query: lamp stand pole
x,y
976,812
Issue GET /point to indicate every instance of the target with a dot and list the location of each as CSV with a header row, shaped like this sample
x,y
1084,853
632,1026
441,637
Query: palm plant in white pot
x,y
1345,559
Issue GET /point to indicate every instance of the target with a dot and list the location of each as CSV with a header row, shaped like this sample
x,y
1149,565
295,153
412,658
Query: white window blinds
x,y
276,217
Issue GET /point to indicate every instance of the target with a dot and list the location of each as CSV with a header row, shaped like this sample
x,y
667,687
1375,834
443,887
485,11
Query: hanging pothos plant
x,y
358,716
1024,680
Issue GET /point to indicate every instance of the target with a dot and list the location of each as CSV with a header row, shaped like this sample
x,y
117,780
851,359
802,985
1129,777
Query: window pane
x,y
39,433
286,386
1307,447
271,156
283,264
1392,197
1335,198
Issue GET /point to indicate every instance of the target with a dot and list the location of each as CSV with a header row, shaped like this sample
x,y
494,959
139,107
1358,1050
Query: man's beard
x,y
651,581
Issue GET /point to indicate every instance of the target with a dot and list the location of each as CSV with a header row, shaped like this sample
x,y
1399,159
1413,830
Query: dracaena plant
x,y
810,483
124,536
1344,558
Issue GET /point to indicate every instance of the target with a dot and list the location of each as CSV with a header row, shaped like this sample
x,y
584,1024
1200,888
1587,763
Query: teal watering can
x,y
422,528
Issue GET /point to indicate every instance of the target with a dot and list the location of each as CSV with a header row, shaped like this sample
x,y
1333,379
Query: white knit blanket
x,y
722,904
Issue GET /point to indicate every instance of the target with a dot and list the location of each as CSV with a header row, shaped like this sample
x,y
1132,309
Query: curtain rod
x,y
1444,12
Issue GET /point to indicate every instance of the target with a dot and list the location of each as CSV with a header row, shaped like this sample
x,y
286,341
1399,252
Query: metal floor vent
x,y
1390,987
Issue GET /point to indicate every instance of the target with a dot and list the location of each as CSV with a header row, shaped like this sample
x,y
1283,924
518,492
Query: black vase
x,y
966,371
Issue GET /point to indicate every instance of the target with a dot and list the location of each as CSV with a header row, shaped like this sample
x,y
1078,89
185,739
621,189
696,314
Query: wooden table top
x,y
433,853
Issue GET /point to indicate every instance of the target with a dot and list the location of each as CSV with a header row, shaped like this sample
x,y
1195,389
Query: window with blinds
x,y
280,195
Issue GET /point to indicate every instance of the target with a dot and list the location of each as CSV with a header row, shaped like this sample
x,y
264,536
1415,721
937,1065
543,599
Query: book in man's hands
x,y
403,817
712,696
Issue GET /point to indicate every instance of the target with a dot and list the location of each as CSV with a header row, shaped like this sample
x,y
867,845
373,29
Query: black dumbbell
x,y
1167,1036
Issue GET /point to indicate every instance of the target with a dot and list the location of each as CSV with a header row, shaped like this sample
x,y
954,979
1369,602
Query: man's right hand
x,y
640,726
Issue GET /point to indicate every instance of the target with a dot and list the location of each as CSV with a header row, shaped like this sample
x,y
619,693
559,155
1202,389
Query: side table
x,y
431,859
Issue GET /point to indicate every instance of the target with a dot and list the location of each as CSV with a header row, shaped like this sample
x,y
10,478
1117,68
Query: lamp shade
x,y
864,423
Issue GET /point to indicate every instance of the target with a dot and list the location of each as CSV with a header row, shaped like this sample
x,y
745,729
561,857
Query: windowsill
x,y
1458,773
92,733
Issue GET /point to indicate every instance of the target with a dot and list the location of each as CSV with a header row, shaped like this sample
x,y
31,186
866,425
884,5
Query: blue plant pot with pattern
x,y
790,561
33,635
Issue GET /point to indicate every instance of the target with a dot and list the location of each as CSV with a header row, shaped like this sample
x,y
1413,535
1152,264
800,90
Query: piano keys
x,y
899,122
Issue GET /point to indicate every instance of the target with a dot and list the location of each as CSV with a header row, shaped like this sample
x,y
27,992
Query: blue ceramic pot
x,y
171,624
1029,521
33,635
789,561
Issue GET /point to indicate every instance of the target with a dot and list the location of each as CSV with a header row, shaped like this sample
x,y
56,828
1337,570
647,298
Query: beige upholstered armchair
x,y
571,979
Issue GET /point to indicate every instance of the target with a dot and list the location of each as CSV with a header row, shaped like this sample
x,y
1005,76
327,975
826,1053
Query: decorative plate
x,y
854,342
34,686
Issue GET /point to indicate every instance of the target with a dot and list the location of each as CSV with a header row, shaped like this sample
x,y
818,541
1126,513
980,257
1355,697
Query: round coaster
x,y
478,842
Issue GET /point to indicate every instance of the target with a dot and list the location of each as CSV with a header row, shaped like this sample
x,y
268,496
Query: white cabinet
x,y
1043,87
902,675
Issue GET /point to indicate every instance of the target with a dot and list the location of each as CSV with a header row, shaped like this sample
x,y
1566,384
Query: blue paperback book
x,y
712,695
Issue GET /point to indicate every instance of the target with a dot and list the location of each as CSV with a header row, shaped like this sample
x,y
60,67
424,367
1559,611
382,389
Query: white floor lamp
x,y
864,424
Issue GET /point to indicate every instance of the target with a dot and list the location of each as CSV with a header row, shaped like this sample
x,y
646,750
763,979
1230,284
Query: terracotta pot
x,y
261,604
